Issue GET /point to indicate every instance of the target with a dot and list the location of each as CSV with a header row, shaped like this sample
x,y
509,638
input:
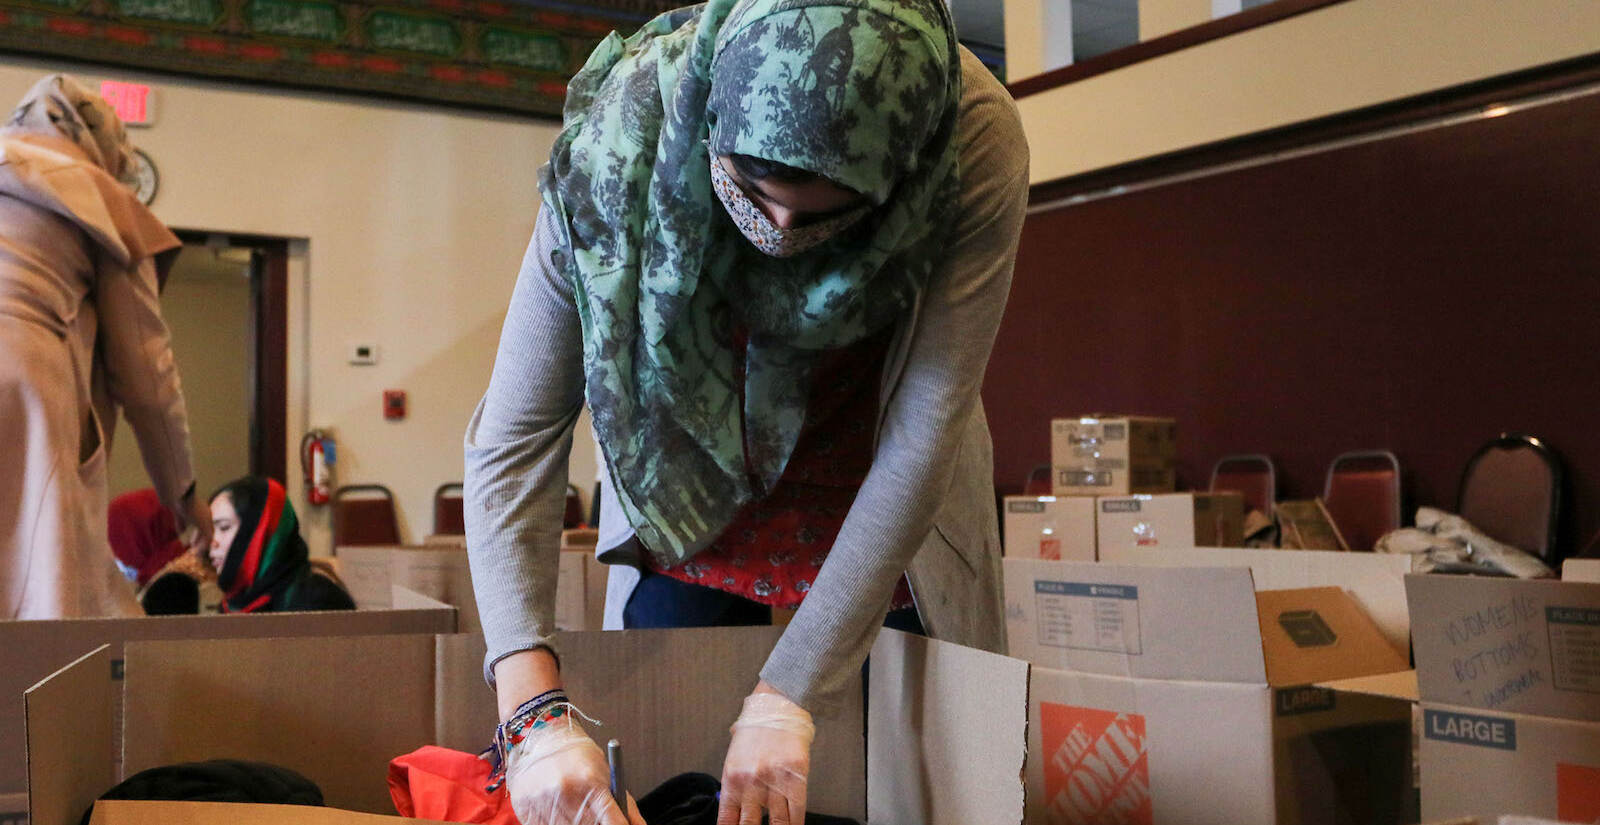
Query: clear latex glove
x,y
559,776
768,763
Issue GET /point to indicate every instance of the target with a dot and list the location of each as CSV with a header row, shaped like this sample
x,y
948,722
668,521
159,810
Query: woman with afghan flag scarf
x,y
262,562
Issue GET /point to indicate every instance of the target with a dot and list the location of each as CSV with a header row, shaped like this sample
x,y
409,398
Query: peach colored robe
x,y
78,302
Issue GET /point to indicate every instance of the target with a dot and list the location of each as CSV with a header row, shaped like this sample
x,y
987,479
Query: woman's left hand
x,y
768,762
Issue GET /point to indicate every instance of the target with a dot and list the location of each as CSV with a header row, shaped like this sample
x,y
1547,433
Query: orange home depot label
x,y
1050,549
1577,793
1096,771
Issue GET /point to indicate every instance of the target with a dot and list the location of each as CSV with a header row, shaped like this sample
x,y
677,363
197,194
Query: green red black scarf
x,y
268,559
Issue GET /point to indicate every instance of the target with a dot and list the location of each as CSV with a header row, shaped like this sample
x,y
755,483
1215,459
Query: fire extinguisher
x,y
317,457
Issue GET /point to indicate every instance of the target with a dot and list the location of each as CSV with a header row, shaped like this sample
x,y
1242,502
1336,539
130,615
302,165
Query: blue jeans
x,y
662,601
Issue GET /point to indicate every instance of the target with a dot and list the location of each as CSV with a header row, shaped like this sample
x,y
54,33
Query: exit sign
x,y
133,102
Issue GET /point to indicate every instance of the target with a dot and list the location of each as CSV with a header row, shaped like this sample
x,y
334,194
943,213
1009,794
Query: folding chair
x,y
1362,494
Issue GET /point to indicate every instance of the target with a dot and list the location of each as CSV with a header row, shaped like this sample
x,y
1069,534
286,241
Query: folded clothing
x,y
218,780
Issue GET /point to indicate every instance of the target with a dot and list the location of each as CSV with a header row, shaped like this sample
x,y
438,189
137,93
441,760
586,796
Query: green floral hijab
x,y
862,92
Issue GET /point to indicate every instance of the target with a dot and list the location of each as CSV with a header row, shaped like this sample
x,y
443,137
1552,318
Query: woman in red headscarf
x,y
143,533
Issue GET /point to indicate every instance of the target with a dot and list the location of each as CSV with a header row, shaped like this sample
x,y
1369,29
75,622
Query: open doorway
x,y
225,303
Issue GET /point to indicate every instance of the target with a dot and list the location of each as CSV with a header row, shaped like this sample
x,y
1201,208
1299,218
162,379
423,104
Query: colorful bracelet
x,y
531,715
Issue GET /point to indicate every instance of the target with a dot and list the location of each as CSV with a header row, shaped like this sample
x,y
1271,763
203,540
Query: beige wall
x,y
1342,57
207,306
412,221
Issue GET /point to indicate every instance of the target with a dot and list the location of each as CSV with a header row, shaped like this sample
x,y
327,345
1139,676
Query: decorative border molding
x,y
506,55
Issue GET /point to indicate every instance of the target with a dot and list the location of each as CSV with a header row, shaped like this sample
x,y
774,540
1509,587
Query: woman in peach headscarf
x,y
78,301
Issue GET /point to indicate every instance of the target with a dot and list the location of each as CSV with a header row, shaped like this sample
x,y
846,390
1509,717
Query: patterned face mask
x,y
765,235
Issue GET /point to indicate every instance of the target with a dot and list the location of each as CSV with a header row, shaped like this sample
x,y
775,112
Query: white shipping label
x,y
1088,616
1574,647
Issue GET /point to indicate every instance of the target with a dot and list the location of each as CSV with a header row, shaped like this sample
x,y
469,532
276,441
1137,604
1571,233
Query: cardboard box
x,y
1581,570
441,571
668,695
1306,525
1377,581
1170,520
1182,695
1113,455
581,586
438,571
1058,528
1509,676
32,650
581,591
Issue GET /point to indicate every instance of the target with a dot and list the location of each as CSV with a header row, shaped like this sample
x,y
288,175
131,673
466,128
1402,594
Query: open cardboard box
x,y
32,650
1376,580
1182,695
1508,673
438,571
945,725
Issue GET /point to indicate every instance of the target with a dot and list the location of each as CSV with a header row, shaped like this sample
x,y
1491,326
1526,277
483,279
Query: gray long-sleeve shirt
x,y
931,468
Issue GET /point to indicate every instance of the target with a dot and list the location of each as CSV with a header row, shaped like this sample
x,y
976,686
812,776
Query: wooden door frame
x,y
269,338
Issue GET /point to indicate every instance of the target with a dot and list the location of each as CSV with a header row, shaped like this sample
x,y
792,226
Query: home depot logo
x,y
1096,769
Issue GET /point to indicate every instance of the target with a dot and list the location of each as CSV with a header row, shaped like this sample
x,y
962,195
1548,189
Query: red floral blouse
x,y
772,551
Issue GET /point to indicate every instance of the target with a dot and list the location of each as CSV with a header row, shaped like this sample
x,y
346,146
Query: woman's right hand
x,y
557,775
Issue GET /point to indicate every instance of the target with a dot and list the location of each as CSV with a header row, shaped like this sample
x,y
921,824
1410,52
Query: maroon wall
x,y
1420,293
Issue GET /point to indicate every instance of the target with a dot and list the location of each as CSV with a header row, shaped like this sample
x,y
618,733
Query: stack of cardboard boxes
x,y
1113,480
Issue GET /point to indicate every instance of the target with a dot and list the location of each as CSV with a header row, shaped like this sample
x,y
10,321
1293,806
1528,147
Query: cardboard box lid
x,y
1401,685
69,721
1510,645
976,704
32,650
308,704
1580,570
1147,622
1376,580
1319,633
126,812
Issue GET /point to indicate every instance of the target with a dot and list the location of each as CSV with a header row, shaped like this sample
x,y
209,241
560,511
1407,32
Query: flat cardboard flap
x,y
946,734
1401,685
1319,633
1376,580
1148,622
124,812
670,697
465,712
1581,570
334,709
30,651
69,750
1518,646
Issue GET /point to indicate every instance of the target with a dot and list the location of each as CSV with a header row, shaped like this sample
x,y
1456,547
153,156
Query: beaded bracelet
x,y
531,715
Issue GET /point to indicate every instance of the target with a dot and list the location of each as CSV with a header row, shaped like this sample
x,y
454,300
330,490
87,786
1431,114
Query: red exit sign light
x,y
130,100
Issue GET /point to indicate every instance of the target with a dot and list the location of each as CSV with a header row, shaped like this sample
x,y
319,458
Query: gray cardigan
x,y
925,509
